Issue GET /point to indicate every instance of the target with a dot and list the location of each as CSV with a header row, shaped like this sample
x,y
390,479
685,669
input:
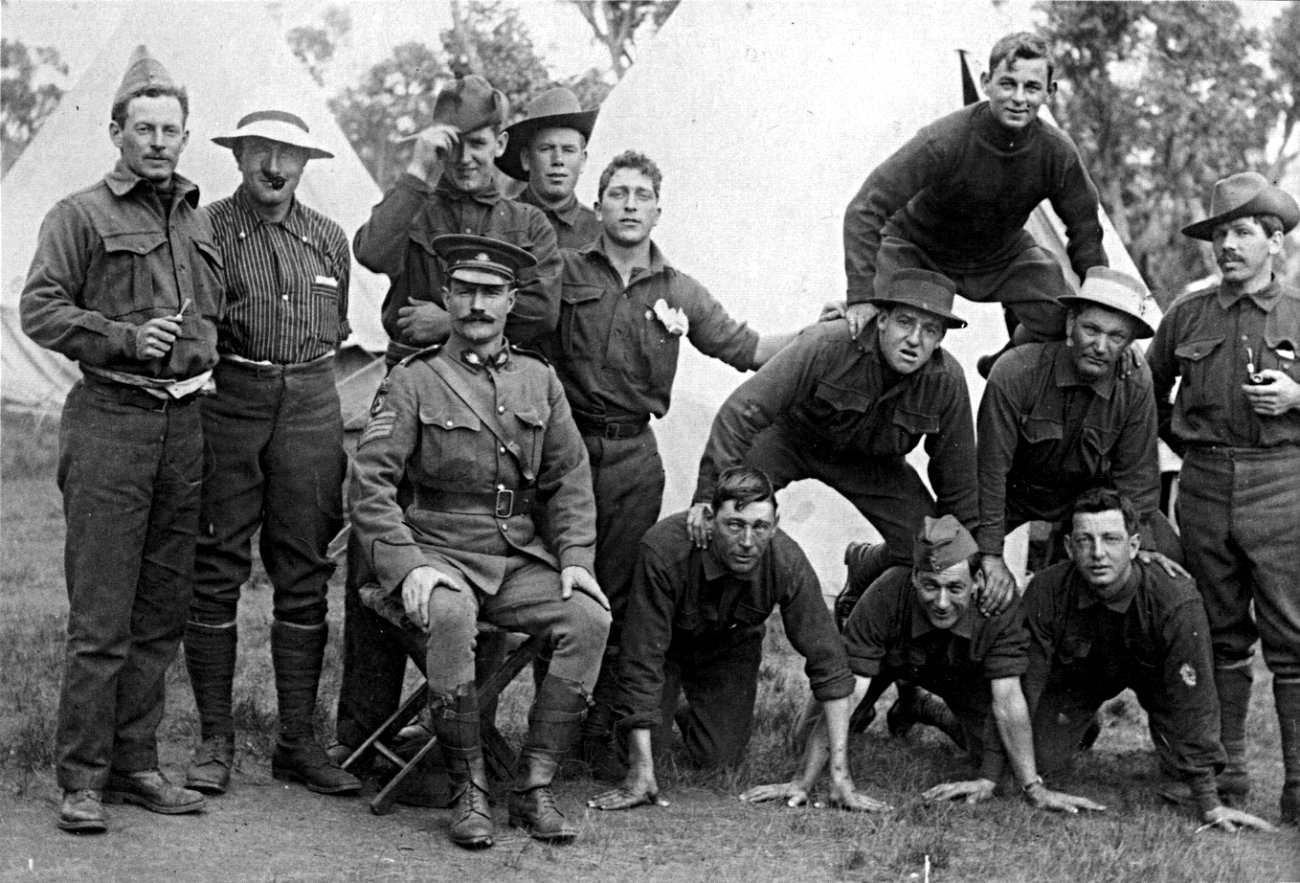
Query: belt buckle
x,y
505,503
613,431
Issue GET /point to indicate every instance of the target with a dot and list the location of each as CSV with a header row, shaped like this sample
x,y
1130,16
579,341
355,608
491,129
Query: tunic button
x,y
504,527
501,450
501,409
449,423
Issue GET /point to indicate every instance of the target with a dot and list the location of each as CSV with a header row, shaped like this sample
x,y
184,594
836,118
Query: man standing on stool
x,y
127,281
1237,420
482,433
276,437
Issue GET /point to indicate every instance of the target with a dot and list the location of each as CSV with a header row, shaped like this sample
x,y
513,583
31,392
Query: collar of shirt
x,y
1265,298
488,196
1119,603
462,354
1068,375
293,222
988,128
658,263
122,181
566,213
921,625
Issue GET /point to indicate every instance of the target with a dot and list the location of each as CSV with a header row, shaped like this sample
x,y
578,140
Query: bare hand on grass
x,y
1232,820
972,791
638,789
1058,801
795,794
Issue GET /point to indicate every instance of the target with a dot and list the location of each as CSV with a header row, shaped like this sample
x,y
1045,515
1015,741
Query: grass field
x,y
264,831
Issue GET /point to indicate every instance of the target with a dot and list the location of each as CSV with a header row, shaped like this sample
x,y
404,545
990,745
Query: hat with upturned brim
x,y
143,72
481,259
924,290
275,125
1118,292
554,109
942,543
1243,195
470,103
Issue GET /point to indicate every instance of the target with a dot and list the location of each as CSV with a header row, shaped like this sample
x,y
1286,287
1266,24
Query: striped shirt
x,y
286,283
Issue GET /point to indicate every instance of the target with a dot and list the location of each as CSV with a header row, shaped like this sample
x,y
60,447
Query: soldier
x,y
955,199
276,437
127,282
482,433
846,409
548,150
1105,621
450,186
1236,418
919,624
1057,418
624,313
696,623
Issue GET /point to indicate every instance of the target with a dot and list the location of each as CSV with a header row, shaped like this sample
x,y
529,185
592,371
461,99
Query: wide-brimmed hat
x,y
470,103
554,109
1116,291
1242,195
275,125
481,259
924,290
942,543
143,72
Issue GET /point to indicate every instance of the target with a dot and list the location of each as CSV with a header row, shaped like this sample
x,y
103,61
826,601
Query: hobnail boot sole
x,y
82,826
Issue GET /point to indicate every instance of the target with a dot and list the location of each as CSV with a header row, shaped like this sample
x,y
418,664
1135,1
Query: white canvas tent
x,y
239,63
765,119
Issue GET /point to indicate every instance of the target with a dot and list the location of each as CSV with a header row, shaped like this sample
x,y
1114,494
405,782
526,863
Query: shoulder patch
x,y
1188,673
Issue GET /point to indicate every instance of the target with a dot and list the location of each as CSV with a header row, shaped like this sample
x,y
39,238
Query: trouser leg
x,y
1059,728
721,686
1286,696
130,482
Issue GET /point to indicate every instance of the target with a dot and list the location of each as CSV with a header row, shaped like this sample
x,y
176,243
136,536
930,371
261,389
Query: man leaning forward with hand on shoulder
x,y
482,433
127,281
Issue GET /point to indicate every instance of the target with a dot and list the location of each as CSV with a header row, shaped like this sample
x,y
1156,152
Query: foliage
x,y
1163,99
617,24
25,101
315,45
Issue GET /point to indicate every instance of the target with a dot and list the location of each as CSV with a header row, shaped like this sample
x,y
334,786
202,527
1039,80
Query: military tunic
x,y
821,409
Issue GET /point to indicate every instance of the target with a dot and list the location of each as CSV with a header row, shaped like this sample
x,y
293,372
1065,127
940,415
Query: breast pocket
x,y
1195,361
580,337
325,306
839,411
126,278
904,431
449,443
658,352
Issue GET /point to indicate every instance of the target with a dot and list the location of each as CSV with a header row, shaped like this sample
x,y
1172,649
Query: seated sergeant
x,y
482,433
919,625
695,623
1106,621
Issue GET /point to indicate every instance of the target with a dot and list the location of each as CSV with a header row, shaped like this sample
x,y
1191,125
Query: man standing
x,y
482,433
623,314
1236,420
1105,621
276,438
696,623
548,149
846,409
918,624
955,199
1058,418
450,186
127,281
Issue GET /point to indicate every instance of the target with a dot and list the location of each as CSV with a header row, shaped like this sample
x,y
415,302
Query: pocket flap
x,y
576,294
1195,350
448,416
136,243
841,398
915,422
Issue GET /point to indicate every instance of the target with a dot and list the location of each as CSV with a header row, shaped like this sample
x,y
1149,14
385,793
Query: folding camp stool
x,y
498,754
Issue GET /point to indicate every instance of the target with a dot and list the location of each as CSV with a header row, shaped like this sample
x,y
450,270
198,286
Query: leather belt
x,y
501,503
610,429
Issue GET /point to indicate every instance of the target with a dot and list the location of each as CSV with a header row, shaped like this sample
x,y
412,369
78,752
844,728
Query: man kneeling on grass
x,y
1106,621
918,625
695,623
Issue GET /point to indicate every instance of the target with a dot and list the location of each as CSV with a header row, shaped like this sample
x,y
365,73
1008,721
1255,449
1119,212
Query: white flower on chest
x,y
673,319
